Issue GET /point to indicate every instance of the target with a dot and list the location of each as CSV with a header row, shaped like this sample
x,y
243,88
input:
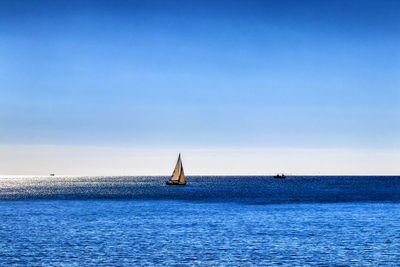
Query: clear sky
x,y
221,76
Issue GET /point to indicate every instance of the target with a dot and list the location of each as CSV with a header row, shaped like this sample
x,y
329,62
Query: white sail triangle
x,y
181,179
177,171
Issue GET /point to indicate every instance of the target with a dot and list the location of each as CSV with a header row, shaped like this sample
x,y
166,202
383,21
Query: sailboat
x,y
280,176
178,176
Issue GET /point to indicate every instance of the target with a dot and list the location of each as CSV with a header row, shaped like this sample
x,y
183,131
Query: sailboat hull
x,y
174,183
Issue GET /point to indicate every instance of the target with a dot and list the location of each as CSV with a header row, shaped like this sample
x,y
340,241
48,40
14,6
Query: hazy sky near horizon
x,y
315,75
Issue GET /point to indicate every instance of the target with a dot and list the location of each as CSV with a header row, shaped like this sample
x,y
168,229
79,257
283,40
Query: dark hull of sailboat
x,y
279,177
174,183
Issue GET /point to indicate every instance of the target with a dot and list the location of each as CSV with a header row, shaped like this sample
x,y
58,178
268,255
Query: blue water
x,y
240,221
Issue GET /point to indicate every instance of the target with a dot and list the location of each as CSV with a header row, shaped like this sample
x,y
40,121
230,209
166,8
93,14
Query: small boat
x,y
280,176
52,174
178,176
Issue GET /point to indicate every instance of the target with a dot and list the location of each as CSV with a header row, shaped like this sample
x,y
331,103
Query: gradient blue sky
x,y
217,74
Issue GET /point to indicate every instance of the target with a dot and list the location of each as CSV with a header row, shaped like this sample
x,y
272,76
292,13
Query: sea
x,y
212,221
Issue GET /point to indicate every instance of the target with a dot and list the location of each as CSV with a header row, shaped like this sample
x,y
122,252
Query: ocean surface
x,y
231,221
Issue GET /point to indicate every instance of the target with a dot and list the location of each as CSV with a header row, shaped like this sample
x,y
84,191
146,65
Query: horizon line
x,y
193,175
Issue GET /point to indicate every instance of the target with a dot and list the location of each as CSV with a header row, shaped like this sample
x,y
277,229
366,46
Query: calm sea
x,y
233,221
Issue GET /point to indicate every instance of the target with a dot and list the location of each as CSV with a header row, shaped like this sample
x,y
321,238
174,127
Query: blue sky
x,y
229,74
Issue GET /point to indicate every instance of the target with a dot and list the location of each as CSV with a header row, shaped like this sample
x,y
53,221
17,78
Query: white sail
x,y
175,175
182,176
